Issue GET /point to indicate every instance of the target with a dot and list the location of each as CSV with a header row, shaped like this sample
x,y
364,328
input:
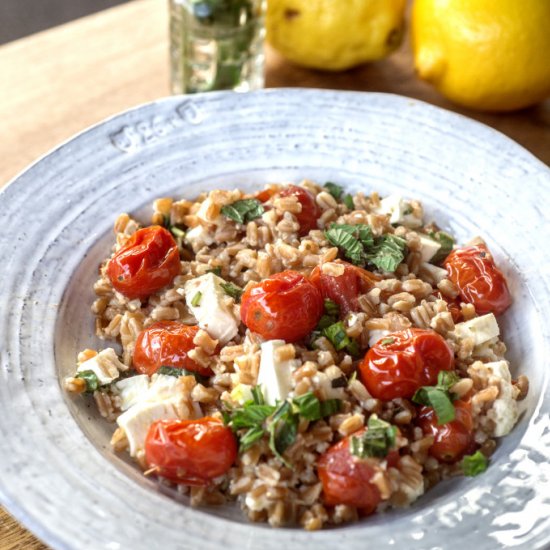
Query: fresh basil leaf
x,y
387,253
473,465
447,243
376,441
282,429
348,201
362,232
243,211
347,243
336,333
232,290
330,407
250,437
91,379
439,400
326,321
331,308
258,395
216,270
335,190
308,406
250,416
446,379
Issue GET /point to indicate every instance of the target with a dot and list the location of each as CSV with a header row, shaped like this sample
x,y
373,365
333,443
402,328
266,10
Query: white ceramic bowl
x,y
59,476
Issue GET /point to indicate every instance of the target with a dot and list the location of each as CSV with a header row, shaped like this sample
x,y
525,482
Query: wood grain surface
x,y
58,82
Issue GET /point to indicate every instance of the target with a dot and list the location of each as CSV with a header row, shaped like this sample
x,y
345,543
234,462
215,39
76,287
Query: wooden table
x,y
58,82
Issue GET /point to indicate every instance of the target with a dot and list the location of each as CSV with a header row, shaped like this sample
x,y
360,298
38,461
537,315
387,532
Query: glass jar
x,y
216,45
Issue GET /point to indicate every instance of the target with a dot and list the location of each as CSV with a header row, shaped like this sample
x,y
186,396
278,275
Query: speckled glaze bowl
x,y
59,476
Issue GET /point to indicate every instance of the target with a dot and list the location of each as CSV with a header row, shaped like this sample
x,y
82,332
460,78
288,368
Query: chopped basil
x,y
358,245
250,416
387,253
311,408
258,395
250,437
347,243
438,397
473,465
335,190
232,290
243,211
446,241
376,441
216,270
91,379
174,371
282,430
348,201
196,300
336,333
332,308
387,341
325,321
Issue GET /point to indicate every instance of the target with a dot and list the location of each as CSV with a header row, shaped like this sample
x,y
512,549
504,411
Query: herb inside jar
x,y
216,45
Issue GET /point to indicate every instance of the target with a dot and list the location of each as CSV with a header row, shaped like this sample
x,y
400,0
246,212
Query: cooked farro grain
x,y
301,408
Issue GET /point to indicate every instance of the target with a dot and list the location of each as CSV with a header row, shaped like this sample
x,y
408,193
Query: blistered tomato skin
x,y
346,288
346,479
166,343
284,306
479,282
402,362
452,440
193,452
146,263
310,213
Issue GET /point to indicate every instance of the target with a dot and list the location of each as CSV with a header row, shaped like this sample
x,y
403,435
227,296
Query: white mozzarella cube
x,y
481,329
199,236
500,369
505,415
275,377
131,390
438,273
163,387
428,248
137,420
376,335
214,311
105,365
399,210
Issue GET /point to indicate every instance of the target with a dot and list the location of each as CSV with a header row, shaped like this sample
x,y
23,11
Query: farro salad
x,y
314,355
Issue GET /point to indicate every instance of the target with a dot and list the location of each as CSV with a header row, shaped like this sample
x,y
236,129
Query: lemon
x,y
334,34
491,55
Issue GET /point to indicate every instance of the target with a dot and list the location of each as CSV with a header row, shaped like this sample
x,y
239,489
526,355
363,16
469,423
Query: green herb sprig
x,y
174,371
439,397
473,465
358,245
334,189
232,290
243,211
279,422
376,441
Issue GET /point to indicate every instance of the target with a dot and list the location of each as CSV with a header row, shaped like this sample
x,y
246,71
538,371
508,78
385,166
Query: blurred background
x,y
20,18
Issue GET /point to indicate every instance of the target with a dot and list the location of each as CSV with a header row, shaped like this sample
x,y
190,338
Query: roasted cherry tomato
x,y
166,343
472,269
401,362
452,440
310,213
285,305
146,263
452,305
344,289
346,479
190,451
